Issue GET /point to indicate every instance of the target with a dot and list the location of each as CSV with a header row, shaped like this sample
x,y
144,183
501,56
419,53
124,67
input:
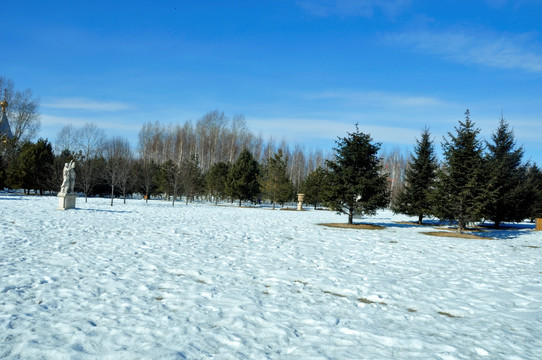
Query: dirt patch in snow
x,y
353,226
455,235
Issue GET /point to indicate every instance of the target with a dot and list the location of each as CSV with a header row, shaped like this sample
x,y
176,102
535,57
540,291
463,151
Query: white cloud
x,y
378,99
364,8
300,130
86,104
104,123
503,51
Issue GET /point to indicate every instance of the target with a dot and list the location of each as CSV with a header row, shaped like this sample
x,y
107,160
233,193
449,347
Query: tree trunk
x,y
350,216
112,194
239,202
420,219
461,226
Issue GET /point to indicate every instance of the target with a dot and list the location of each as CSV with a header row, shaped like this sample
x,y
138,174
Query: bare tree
x,y
90,141
65,140
149,140
126,172
117,152
22,111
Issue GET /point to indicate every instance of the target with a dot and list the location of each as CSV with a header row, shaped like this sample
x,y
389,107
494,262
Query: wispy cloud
x,y
503,51
378,99
105,123
309,129
86,104
363,8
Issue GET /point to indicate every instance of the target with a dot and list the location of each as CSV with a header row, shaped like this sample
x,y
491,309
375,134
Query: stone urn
x,y
300,198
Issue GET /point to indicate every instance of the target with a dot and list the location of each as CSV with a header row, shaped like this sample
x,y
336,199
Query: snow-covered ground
x,y
149,281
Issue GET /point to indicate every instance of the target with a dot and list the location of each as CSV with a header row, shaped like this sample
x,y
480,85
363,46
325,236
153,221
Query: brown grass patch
x,y
367,301
334,294
455,235
532,246
159,298
412,310
353,226
291,209
449,315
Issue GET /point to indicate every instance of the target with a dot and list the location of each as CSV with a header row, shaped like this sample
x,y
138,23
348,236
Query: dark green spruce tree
x,y
356,186
507,178
192,179
274,181
215,180
534,191
461,192
314,187
415,198
242,182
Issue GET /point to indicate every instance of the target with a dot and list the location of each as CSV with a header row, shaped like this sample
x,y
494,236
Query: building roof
x,y
5,130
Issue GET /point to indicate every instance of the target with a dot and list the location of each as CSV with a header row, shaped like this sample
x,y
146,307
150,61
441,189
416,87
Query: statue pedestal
x,y
66,201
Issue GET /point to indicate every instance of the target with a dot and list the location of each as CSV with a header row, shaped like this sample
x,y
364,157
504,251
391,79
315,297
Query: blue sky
x,y
304,70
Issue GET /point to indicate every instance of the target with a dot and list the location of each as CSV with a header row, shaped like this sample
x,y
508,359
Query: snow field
x,y
202,281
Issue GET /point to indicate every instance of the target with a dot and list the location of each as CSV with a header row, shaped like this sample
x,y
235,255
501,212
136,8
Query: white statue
x,y
68,182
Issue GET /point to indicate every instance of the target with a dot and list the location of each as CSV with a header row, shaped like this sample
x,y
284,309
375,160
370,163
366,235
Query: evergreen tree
x,y
314,186
461,190
275,184
242,181
192,178
33,167
533,184
415,198
2,171
506,178
356,186
216,180
145,172
170,180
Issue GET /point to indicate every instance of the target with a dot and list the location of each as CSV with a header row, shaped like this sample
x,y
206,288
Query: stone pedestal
x,y
300,198
66,201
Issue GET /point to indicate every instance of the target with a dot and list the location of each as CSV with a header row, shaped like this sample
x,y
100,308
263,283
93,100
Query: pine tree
x,y
506,178
415,198
33,168
242,183
314,187
356,186
274,182
216,180
192,179
461,190
2,171
170,180
533,184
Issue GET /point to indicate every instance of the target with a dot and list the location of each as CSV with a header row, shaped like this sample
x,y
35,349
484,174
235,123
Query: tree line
x,y
476,181
217,158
